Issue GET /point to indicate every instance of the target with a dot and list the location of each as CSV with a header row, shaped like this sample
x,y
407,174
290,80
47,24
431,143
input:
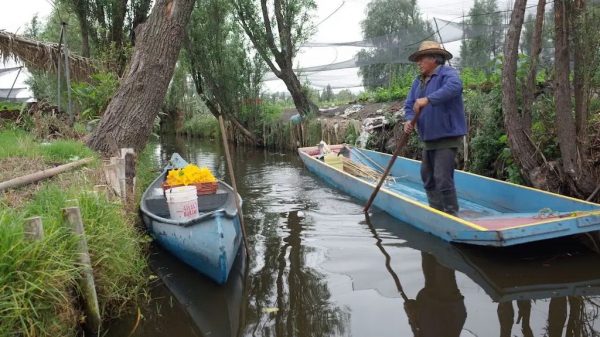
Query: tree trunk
x,y
521,147
565,123
578,175
101,20
130,115
81,9
583,69
117,22
534,53
215,110
116,33
140,13
303,104
581,77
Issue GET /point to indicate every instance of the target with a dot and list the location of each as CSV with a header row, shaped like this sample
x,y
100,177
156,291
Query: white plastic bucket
x,y
183,202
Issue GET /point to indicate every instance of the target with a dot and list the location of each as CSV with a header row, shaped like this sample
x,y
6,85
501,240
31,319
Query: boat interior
x,y
156,202
473,205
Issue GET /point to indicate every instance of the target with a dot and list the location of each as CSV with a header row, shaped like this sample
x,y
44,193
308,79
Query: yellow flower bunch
x,y
191,174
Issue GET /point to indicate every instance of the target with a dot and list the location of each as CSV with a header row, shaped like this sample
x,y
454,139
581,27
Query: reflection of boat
x,y
493,212
215,310
208,243
547,269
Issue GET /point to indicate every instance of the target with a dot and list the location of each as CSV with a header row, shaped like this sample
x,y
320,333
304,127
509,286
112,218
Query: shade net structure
x,y
398,46
344,73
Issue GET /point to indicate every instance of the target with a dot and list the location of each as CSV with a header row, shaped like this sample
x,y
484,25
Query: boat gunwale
x,y
396,195
578,214
202,218
495,180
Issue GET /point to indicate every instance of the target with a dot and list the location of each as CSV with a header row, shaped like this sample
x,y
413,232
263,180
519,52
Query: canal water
x,y
319,267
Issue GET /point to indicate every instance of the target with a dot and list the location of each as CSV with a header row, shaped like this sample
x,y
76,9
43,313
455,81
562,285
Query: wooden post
x,y
130,179
118,165
33,229
72,216
123,189
233,183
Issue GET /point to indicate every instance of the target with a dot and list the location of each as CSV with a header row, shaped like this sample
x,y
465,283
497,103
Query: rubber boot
x,y
450,202
435,200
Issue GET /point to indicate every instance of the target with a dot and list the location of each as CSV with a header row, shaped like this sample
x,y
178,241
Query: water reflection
x,y
319,268
439,299
287,297
553,274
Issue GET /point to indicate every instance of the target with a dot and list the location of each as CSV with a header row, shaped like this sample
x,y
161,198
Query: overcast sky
x,y
333,26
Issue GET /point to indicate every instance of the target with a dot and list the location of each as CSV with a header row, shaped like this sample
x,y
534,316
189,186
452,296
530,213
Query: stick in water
x,y
401,142
232,176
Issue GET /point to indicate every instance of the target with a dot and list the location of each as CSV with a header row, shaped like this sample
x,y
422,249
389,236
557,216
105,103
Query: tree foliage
x,y
327,94
483,35
395,27
276,28
226,73
106,26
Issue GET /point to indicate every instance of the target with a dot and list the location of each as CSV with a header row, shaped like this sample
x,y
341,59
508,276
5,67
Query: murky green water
x,y
318,267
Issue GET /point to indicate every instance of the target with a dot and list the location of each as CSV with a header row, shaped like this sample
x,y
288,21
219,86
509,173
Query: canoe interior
x,y
487,203
156,203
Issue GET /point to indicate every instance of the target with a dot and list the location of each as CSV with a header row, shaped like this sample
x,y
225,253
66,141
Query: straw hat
x,y
430,48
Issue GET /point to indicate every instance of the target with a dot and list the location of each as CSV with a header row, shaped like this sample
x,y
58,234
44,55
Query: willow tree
x,y
129,117
276,28
226,75
105,24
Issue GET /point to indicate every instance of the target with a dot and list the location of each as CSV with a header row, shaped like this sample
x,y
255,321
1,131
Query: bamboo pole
x,y
72,216
233,183
33,229
401,142
31,178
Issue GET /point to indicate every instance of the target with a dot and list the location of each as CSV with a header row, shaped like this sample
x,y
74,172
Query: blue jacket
x,y
444,116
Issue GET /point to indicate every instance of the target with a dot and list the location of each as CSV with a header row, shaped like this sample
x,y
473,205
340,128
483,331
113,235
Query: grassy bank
x,y
38,280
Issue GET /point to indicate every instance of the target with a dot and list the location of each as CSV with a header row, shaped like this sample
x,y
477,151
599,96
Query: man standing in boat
x,y
437,94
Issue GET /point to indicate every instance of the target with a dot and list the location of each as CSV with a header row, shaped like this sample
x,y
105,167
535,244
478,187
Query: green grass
x,y
38,280
4,105
202,125
18,143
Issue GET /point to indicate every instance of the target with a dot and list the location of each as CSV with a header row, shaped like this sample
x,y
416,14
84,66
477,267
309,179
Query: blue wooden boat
x,y
208,243
493,212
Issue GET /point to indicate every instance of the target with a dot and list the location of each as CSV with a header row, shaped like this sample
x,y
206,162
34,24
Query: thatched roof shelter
x,y
42,55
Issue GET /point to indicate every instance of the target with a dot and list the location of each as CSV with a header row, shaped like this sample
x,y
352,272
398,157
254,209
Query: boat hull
x,y
506,203
208,243
209,247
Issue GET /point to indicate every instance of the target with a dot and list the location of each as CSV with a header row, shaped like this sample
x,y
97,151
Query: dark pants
x,y
437,169
437,173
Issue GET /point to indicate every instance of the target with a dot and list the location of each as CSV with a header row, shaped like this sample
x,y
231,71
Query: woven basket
x,y
201,188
